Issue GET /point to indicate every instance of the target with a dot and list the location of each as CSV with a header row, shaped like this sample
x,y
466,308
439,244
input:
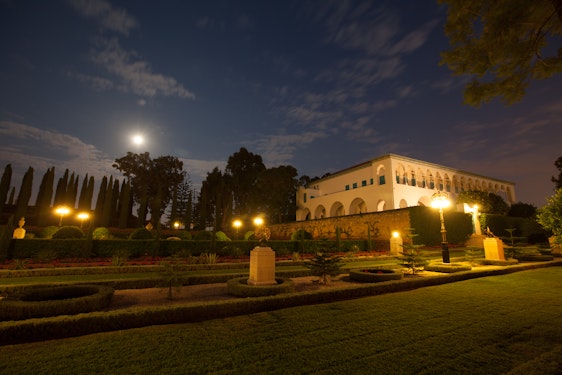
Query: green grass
x,y
490,325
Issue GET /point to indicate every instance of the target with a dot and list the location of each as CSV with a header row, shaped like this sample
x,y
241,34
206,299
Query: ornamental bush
x,y
68,233
141,234
48,232
101,233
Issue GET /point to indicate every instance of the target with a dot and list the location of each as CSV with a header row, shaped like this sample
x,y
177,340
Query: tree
x,y
274,193
550,216
124,204
325,266
98,211
44,197
215,200
24,194
244,168
411,256
60,192
557,181
487,202
152,181
502,44
521,209
5,185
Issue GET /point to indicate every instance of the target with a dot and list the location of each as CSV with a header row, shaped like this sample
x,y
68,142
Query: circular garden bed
x,y
239,287
447,267
56,300
375,275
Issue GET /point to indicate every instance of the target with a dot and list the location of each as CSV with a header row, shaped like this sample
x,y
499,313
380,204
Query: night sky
x,y
319,85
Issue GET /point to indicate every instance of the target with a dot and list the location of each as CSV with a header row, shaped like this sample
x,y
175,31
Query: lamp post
x,y
82,216
237,224
62,211
441,200
176,225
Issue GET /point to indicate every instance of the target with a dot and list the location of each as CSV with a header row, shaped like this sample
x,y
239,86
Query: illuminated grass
x,y
481,326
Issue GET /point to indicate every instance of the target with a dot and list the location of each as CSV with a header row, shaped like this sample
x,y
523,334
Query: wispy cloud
x,y
109,18
279,149
26,146
135,75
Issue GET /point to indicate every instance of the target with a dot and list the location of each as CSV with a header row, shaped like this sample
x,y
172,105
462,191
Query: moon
x,y
138,139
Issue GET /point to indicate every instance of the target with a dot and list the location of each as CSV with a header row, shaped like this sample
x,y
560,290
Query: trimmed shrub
x,y
375,275
70,232
52,301
101,233
221,236
239,287
48,232
141,234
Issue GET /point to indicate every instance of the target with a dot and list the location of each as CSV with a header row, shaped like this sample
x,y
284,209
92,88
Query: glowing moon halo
x,y
138,139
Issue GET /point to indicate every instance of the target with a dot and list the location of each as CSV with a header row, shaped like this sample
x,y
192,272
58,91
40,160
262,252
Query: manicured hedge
x,y
373,275
55,300
239,287
84,248
447,268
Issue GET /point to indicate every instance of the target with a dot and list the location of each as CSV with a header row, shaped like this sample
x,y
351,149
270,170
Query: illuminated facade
x,y
390,182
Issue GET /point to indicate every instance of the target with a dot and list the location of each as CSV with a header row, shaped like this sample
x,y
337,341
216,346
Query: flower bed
x,y
375,275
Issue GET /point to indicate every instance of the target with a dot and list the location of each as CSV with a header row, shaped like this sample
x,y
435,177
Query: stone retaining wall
x,y
381,225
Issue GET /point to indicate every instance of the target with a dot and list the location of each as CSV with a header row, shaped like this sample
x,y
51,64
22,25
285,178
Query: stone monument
x,y
19,233
493,247
262,261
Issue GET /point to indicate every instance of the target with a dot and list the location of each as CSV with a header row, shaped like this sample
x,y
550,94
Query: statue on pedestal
x,y
19,233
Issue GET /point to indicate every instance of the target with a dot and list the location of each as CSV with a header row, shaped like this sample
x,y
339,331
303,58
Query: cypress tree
x,y
44,197
124,204
60,194
89,194
108,199
83,193
72,191
98,212
5,186
24,194
114,204
12,195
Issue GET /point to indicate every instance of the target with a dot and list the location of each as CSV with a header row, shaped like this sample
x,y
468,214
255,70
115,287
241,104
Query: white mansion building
x,y
390,182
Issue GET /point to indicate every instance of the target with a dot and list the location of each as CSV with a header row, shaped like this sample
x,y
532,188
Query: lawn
x,y
490,325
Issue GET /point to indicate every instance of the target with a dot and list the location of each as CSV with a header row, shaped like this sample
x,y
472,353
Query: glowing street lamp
x,y
62,211
176,225
237,224
258,221
441,200
82,216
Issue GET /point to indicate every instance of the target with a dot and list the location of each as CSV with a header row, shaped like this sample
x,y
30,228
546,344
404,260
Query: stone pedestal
x,y
493,248
262,266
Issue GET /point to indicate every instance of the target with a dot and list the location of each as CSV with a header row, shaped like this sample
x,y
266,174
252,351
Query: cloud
x,y
23,146
134,75
279,149
110,18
